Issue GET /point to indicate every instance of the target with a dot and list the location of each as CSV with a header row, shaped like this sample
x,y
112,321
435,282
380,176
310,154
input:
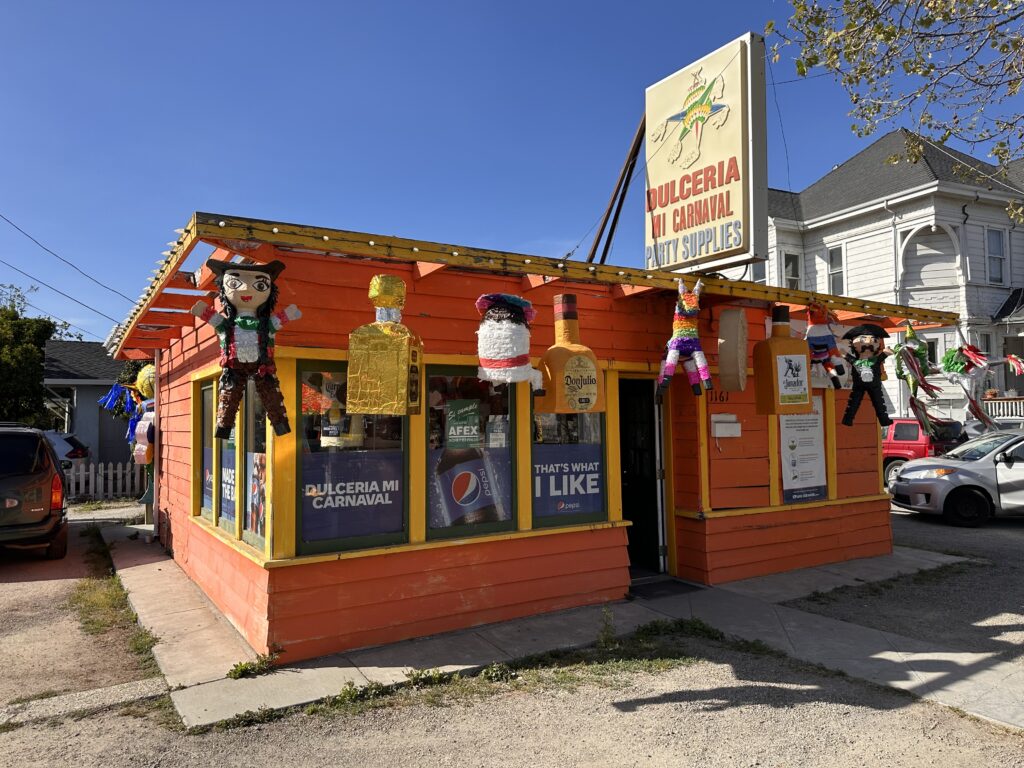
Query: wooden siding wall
x,y
323,607
235,584
354,603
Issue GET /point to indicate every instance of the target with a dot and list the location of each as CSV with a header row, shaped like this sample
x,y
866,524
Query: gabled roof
x,y
88,360
869,175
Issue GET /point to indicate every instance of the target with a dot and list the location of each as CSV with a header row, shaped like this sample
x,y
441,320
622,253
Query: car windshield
x,y
22,454
974,449
947,431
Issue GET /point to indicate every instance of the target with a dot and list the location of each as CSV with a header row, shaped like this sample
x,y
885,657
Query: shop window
x,y
836,284
792,273
206,420
254,505
470,449
995,256
352,468
227,488
568,468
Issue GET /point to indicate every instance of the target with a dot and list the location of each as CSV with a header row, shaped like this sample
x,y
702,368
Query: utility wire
x,y
70,264
57,290
782,128
62,320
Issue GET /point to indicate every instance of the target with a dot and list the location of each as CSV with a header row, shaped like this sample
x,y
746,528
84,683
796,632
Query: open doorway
x,y
640,450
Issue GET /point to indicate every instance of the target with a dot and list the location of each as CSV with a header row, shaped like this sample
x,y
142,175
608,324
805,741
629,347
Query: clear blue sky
x,y
484,124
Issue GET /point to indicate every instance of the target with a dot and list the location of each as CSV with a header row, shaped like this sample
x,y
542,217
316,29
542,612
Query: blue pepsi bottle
x,y
467,492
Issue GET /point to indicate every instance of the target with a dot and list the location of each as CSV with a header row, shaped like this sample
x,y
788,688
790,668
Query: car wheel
x,y
891,470
59,546
967,508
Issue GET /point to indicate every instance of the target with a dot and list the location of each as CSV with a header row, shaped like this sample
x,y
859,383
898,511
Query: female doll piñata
x,y
246,331
685,343
822,342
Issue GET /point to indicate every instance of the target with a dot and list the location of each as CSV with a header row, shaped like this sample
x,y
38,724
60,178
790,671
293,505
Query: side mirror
x,y
65,464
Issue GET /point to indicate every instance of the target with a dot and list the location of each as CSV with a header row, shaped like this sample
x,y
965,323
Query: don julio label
x,y
580,378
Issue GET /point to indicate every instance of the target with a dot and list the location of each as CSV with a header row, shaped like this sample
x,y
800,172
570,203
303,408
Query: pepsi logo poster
x,y
473,486
568,480
349,494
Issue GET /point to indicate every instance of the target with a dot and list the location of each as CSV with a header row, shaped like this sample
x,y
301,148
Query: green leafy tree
x,y
22,344
948,69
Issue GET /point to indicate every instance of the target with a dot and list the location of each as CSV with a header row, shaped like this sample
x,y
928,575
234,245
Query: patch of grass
x,y
817,596
102,603
251,717
427,678
606,633
940,574
37,697
261,665
498,673
159,710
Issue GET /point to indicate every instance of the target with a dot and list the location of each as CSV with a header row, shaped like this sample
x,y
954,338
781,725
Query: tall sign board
x,y
707,194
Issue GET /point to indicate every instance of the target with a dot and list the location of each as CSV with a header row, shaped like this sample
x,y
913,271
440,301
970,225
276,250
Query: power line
x,y
782,128
57,290
73,266
62,320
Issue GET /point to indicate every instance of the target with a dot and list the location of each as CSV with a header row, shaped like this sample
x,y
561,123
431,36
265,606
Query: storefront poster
x,y
568,480
802,446
256,499
462,424
227,482
207,478
794,382
479,484
347,494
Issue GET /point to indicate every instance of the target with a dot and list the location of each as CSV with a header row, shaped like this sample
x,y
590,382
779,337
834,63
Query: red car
x,y
904,440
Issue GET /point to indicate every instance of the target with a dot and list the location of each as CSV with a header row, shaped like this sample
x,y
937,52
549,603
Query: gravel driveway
x,y
43,650
974,607
731,709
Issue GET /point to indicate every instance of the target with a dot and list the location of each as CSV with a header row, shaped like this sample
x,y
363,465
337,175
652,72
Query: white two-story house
x,y
921,234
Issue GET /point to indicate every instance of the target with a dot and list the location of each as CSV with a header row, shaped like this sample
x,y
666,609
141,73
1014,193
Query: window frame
x,y
477,529
763,263
831,273
1002,257
208,513
562,521
799,271
350,543
985,342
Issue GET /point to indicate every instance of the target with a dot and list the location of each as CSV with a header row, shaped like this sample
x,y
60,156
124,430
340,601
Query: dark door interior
x,y
639,473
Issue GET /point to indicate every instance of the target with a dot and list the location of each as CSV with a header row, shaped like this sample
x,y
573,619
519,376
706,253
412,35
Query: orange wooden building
x,y
251,520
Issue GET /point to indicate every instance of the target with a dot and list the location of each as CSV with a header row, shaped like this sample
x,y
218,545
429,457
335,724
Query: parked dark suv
x,y
33,507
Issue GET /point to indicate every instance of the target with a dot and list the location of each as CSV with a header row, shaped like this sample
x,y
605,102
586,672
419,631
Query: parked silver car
x,y
969,484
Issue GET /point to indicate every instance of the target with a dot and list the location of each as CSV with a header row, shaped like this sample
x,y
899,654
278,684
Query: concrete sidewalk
x,y
171,606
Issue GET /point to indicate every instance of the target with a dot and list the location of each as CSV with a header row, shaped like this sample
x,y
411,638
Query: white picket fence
x,y
106,481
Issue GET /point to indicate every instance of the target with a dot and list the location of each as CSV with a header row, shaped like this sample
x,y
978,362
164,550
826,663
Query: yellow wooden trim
x,y
341,243
442,543
253,554
669,486
524,457
268,500
612,447
310,353
430,359
285,468
216,458
697,515
714,369
703,453
207,372
881,470
774,491
238,545
240,486
197,449
417,498
831,466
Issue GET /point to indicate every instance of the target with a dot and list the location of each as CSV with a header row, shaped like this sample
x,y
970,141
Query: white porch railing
x,y
105,481
1008,407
